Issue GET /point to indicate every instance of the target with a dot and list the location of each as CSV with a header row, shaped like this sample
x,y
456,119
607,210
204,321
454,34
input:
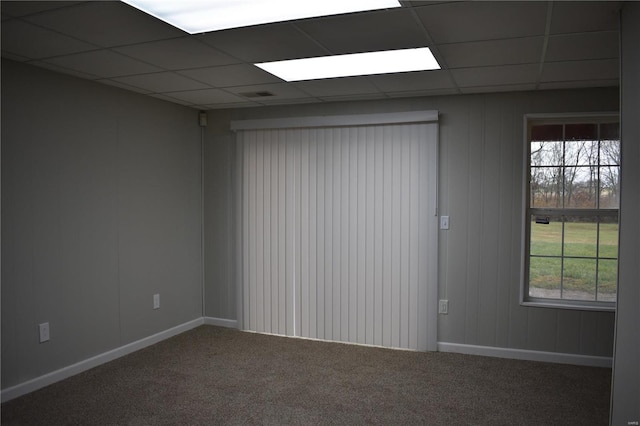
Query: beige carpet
x,y
211,376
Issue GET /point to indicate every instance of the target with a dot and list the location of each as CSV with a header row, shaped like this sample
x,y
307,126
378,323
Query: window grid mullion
x,y
562,217
598,221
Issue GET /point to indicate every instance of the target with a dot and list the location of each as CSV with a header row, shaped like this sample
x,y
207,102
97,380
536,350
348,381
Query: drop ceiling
x,y
481,46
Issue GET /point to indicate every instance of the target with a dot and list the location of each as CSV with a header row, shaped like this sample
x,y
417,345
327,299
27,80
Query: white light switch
x,y
444,222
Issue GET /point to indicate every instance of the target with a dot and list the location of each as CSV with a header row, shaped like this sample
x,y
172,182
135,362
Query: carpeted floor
x,y
212,375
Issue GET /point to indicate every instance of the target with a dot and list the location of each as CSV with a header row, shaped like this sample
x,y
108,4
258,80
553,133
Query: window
x,y
572,201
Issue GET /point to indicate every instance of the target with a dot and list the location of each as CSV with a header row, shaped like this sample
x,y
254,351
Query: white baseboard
x,y
72,370
528,355
221,322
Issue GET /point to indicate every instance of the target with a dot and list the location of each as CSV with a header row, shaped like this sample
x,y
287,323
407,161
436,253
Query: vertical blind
x,y
339,233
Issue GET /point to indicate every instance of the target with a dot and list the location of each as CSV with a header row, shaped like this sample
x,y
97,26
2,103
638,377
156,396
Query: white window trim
x,y
525,299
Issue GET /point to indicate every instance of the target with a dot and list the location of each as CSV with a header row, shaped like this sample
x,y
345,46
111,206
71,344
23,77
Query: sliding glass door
x,y
339,232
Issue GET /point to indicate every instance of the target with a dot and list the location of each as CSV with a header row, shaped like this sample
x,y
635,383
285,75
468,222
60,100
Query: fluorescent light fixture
x,y
199,16
384,62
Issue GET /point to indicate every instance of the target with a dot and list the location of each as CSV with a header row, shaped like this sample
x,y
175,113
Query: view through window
x,y
573,201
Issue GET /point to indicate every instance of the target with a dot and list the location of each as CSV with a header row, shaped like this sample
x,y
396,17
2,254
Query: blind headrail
x,y
336,120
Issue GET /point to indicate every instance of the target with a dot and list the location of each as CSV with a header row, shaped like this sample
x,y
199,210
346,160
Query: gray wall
x,y
220,296
100,210
481,171
625,407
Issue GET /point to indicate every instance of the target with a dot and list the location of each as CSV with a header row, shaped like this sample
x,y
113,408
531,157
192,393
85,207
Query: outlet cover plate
x,y
156,301
44,332
444,222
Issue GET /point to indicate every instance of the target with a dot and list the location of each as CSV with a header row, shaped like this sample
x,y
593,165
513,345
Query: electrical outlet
x,y
44,332
443,307
156,301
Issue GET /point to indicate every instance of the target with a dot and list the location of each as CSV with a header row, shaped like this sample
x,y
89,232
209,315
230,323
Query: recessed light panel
x,y
384,62
199,16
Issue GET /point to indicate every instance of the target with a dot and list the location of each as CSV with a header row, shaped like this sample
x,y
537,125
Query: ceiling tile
x,y
348,86
232,105
288,101
419,3
170,99
476,21
204,97
496,76
231,75
573,47
279,90
106,23
162,82
23,8
499,88
579,84
124,86
419,80
602,69
360,97
366,32
61,69
19,37
264,43
103,63
525,50
412,94
176,54
584,16
14,57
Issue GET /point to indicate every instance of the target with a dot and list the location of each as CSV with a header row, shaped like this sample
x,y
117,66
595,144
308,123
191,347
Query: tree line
x,y
575,174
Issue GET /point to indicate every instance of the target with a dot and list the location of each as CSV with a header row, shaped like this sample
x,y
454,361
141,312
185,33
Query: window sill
x,y
569,304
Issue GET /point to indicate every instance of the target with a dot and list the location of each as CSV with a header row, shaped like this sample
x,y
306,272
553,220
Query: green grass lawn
x,y
580,241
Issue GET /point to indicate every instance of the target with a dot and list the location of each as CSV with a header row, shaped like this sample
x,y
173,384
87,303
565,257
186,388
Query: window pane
x,y
610,152
610,131
609,173
546,238
546,132
608,237
607,280
581,174
579,279
580,187
581,153
544,277
609,187
585,131
546,187
580,236
546,153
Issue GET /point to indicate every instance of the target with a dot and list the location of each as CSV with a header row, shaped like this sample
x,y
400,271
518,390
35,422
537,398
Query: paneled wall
x,y
100,210
625,407
480,188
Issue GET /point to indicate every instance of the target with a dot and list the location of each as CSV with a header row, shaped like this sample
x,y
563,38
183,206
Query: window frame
x,y
543,119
